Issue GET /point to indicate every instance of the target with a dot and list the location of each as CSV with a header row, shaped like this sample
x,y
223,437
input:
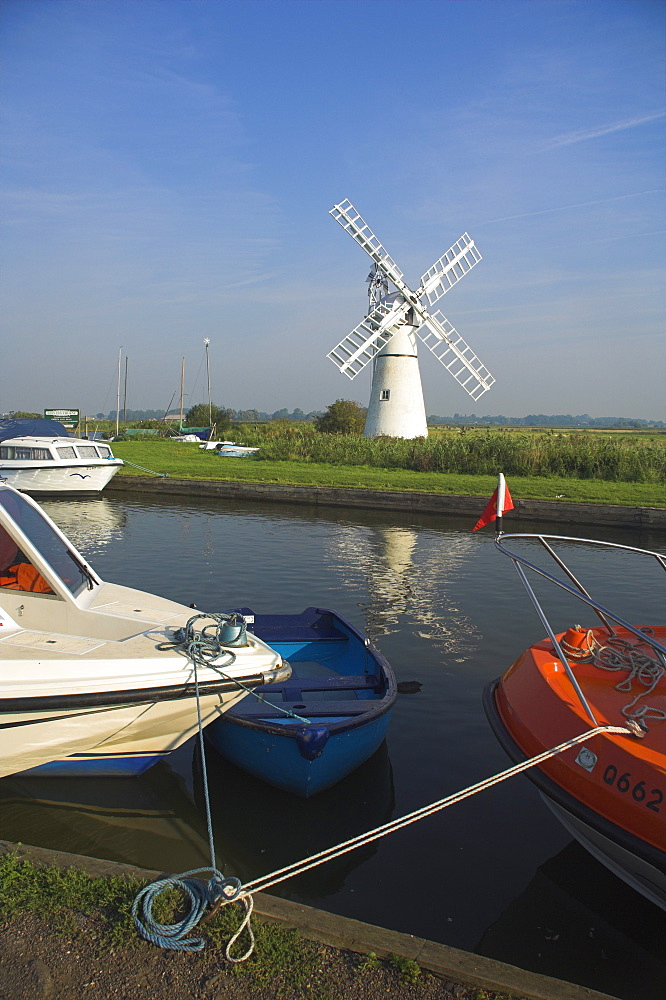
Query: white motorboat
x,y
237,451
97,678
38,456
229,449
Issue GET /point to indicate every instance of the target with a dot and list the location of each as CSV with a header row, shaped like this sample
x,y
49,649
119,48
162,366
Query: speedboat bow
x,y
610,793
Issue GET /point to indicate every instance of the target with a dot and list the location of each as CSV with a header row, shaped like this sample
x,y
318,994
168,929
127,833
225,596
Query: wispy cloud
x,y
582,134
566,208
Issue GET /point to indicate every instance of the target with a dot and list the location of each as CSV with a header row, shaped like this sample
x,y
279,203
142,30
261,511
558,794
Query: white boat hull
x,y
636,872
114,740
77,477
113,707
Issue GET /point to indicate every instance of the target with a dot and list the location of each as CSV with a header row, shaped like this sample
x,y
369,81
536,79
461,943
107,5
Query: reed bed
x,y
477,452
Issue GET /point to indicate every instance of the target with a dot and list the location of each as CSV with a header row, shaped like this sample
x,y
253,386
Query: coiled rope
x,y
204,647
200,897
621,654
643,669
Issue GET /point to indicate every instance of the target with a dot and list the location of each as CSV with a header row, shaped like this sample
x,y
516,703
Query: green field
x,y
186,461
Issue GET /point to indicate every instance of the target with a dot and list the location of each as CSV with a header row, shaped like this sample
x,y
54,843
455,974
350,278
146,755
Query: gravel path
x,y
38,964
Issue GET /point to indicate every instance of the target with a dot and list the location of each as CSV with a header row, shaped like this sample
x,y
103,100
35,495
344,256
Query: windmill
x,y
387,335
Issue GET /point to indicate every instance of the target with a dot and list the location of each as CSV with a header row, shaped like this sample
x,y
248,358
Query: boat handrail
x,y
575,589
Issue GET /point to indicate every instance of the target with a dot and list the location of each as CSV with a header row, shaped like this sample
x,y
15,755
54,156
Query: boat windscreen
x,y
48,543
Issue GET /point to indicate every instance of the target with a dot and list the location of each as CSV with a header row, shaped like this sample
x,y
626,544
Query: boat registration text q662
x,y
652,799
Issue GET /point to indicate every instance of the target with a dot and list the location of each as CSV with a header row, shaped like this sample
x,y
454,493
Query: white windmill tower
x,y
387,335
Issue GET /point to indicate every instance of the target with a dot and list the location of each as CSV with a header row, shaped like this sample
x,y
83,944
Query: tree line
x,y
348,415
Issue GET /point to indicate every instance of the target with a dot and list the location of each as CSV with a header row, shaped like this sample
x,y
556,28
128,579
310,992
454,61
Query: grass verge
x,y
282,959
64,896
187,461
93,917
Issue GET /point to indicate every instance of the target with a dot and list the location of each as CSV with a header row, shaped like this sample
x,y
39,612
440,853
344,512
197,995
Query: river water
x,y
496,874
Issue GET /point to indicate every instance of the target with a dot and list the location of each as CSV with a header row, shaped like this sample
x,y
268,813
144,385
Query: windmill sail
x,y
442,338
360,346
450,268
359,230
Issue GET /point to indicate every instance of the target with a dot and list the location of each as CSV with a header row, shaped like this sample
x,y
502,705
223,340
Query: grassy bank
x,y
66,895
78,933
187,461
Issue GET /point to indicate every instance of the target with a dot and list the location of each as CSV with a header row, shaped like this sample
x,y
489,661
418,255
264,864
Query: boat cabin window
x,y
67,452
87,451
16,570
27,454
104,451
48,543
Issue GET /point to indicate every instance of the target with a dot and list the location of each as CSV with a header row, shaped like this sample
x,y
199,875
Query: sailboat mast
x,y
210,408
182,390
125,392
120,354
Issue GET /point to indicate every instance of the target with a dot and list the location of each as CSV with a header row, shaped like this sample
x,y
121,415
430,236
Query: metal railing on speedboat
x,y
576,589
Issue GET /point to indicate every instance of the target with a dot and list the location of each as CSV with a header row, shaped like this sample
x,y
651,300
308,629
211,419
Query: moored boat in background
x,y
228,449
39,456
610,793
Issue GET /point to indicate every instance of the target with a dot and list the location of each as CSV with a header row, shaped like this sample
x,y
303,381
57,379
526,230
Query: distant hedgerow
x,y
573,455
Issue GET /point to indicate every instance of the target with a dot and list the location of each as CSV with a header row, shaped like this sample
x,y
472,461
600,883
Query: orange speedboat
x,y
610,792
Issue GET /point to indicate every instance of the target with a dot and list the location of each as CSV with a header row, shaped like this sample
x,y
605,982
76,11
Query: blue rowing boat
x,y
310,732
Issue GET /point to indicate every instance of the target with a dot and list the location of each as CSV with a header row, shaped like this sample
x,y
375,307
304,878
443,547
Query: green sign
x,y
68,418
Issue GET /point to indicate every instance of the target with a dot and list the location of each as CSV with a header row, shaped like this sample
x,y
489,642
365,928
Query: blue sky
x,y
169,166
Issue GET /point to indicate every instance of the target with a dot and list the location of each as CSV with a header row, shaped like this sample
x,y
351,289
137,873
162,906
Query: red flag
x,y
491,512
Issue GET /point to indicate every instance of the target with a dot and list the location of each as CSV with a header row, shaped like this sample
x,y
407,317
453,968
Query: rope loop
x,y
247,904
229,888
199,894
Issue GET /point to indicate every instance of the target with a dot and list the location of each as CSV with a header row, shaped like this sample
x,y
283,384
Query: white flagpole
x,y
501,492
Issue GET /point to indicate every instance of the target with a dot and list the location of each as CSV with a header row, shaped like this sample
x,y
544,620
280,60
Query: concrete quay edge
x,y
603,515
452,964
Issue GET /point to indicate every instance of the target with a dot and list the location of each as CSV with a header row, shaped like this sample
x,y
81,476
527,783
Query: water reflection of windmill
x,y
406,573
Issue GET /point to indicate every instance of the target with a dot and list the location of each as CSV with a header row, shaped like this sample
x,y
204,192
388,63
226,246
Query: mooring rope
x,y
201,648
266,881
219,891
161,475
